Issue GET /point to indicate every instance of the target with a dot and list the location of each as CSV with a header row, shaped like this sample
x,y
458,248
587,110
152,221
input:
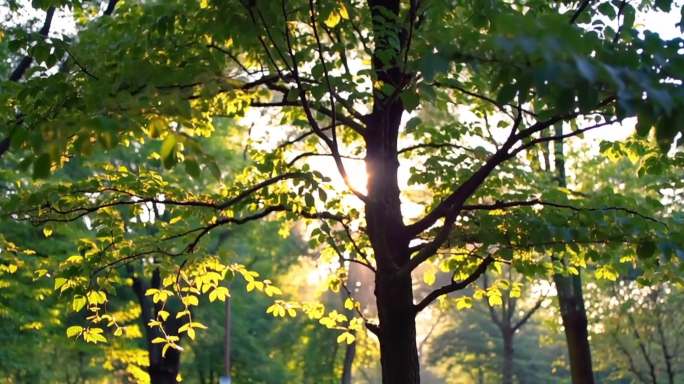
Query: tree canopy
x,y
155,125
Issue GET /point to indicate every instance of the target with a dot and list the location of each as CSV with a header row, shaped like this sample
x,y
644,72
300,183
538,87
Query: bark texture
x,y
507,366
571,301
386,231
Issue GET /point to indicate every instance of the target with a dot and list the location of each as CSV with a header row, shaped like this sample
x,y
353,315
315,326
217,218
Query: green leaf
x,y
664,5
192,168
506,94
214,169
41,166
432,64
646,249
586,69
628,17
607,9
410,100
309,200
413,123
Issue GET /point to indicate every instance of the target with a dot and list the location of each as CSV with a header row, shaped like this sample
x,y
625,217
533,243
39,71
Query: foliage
x,y
639,336
122,126
470,342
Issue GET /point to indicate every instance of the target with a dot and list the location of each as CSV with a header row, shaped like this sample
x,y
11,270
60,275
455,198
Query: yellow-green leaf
x,y
78,303
190,300
163,314
168,146
429,276
195,324
463,302
59,282
220,293
495,300
271,290
343,12
74,330
349,303
346,337
333,19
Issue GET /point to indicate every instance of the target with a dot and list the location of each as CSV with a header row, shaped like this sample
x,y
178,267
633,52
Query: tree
x,y
495,341
341,76
639,335
570,297
509,324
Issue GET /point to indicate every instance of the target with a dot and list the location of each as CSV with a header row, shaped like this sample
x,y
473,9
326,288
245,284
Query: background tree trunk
x,y
227,327
350,351
507,366
570,300
165,370
162,370
348,363
574,318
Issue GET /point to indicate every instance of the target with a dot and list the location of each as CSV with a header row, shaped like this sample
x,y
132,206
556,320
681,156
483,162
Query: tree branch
x,y
314,154
450,207
26,61
332,145
452,85
233,220
533,202
545,139
434,146
579,11
454,286
529,314
246,193
21,69
110,8
630,359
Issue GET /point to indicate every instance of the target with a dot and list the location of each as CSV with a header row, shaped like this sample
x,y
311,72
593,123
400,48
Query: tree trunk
x,y
165,370
227,325
398,350
348,363
574,318
350,351
570,300
393,290
385,226
507,366
162,370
